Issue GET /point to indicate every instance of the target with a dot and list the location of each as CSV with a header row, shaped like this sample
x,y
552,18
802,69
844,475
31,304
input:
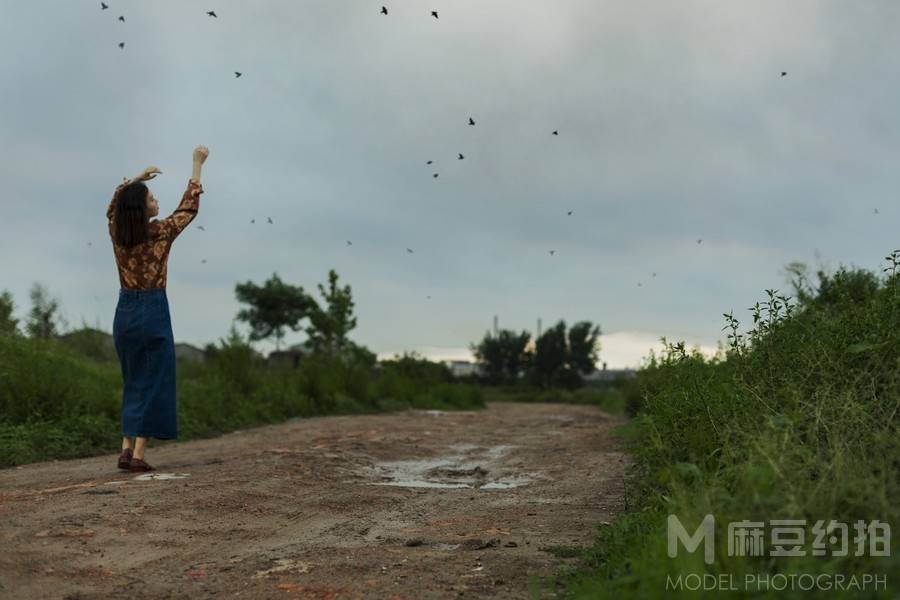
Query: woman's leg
x,y
139,446
127,443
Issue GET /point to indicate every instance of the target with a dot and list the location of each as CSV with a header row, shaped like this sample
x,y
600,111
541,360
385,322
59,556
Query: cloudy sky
x,y
674,122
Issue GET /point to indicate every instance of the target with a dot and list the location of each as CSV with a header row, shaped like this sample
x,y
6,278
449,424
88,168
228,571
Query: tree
x,y
503,356
561,359
8,325
43,322
329,326
584,344
273,307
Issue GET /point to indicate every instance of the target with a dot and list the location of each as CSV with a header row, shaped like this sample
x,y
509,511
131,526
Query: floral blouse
x,y
144,266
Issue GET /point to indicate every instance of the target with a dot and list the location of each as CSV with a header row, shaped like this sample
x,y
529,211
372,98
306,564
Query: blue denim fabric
x,y
142,332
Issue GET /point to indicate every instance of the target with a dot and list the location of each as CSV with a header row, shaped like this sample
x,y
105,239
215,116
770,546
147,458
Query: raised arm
x,y
186,211
190,201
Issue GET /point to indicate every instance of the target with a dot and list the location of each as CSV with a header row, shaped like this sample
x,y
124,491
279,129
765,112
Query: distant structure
x,y
463,368
290,357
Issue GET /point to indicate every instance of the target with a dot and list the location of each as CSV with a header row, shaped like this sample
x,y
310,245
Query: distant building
x,y
463,368
290,357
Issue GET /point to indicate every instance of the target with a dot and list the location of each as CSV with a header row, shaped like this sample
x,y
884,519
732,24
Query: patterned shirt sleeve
x,y
175,223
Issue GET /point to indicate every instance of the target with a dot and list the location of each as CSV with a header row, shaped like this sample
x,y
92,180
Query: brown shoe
x,y
125,459
139,466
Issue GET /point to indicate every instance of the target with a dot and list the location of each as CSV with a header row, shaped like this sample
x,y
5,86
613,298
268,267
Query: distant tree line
x,y
556,359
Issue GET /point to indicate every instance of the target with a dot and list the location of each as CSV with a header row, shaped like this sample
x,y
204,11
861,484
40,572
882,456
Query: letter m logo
x,y
704,533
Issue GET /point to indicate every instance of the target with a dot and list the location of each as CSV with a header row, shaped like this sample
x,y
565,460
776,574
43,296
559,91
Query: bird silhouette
x,y
460,156
212,13
640,284
783,73
408,250
428,297
103,6
471,122
383,10
876,211
434,14
551,252
349,243
121,44
654,275
428,162
569,213
252,221
555,132
435,175
237,74
122,19
203,261
699,240
270,219
201,228
90,244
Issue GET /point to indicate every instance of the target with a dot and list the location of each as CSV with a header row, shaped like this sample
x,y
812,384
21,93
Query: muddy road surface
x,y
410,505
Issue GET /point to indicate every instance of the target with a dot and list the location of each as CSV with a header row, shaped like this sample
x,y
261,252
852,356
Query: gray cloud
x,y
674,125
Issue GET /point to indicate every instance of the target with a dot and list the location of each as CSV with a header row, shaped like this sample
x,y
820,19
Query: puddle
x,y
470,467
152,476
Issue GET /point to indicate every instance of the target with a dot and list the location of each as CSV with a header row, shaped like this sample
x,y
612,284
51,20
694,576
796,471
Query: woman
x,y
142,328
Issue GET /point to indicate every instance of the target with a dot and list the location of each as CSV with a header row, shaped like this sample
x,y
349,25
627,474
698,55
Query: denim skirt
x,y
142,332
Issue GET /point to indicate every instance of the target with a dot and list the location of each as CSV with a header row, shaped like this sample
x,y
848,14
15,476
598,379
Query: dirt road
x,y
412,505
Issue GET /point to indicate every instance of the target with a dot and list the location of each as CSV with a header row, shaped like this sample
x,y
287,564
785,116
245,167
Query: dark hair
x,y
131,215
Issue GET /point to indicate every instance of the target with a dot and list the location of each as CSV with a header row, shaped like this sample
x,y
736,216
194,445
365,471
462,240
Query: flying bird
x,y
349,243
252,221
237,74
122,19
569,213
212,13
434,14
555,132
428,162
551,252
435,175
471,122
90,244
103,6
428,297
640,284
699,240
460,156
270,220
876,211
654,274
383,10
408,250
783,73
203,261
121,44
201,228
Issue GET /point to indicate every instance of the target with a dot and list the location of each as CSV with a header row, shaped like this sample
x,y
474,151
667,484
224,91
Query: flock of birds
x,y
460,156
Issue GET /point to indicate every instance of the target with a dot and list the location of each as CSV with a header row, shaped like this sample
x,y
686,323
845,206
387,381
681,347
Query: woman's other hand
x,y
148,174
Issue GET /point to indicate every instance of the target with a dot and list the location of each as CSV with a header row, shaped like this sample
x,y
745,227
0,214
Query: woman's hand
x,y
200,154
148,174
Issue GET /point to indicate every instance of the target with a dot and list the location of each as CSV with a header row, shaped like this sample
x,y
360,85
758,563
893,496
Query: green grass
x,y
797,419
62,399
